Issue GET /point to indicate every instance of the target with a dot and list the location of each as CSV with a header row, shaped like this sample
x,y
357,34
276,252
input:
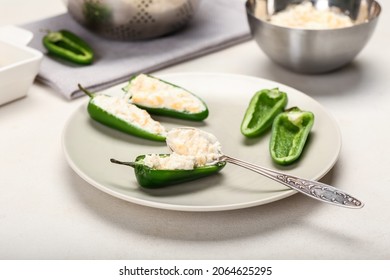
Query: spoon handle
x,y
313,189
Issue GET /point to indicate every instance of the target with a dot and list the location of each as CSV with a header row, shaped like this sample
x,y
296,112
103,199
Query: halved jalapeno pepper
x,y
290,131
163,98
118,113
149,177
68,46
264,106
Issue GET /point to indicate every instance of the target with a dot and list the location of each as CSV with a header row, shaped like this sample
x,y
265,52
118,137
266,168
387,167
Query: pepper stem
x,y
90,94
132,164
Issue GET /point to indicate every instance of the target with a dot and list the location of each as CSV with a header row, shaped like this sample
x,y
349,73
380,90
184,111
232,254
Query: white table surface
x,y
49,212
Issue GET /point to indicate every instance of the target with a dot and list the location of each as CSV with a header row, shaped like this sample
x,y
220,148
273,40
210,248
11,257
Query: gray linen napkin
x,y
218,24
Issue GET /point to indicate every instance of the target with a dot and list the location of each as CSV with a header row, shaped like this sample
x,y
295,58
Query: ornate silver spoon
x,y
209,145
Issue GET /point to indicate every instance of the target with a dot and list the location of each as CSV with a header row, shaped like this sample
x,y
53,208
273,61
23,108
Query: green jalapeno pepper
x,y
67,45
199,114
157,178
107,118
290,130
264,106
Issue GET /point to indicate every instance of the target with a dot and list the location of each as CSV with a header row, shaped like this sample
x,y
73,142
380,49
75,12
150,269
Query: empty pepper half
x,y
264,106
290,130
150,178
163,98
67,45
118,113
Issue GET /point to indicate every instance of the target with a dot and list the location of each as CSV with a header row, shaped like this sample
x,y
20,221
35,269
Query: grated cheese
x,y
306,16
172,162
192,142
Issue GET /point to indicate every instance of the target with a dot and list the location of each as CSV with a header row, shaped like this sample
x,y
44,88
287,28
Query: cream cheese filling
x,y
122,109
151,92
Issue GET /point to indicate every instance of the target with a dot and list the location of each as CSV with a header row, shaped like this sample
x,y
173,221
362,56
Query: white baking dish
x,y
19,64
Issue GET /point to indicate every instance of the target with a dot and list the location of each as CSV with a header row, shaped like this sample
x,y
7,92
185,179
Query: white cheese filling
x,y
306,16
122,109
204,147
191,148
172,162
151,92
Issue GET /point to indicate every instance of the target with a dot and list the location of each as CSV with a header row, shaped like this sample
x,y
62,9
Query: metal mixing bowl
x,y
308,50
132,19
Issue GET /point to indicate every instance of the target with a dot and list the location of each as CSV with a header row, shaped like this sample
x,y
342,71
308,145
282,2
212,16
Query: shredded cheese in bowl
x,y
306,16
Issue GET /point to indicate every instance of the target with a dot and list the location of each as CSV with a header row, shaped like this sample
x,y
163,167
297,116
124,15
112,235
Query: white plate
x,y
88,147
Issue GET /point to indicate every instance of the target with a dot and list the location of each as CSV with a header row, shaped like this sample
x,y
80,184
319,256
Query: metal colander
x,y
132,19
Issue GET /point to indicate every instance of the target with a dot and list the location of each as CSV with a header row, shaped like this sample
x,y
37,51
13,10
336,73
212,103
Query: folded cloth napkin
x,y
218,24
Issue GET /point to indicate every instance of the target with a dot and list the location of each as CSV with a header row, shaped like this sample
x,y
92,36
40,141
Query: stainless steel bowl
x,y
132,19
307,50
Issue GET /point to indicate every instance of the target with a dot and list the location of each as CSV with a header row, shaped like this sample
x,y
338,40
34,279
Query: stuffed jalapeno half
x,y
161,170
118,113
163,98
